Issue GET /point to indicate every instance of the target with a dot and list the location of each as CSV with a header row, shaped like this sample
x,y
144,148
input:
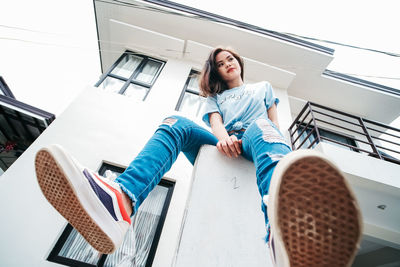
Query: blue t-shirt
x,y
241,105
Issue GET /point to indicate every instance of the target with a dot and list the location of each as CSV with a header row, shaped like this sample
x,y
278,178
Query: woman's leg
x,y
174,135
263,144
313,213
96,206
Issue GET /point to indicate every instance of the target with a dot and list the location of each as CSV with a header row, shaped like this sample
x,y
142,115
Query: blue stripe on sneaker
x,y
104,197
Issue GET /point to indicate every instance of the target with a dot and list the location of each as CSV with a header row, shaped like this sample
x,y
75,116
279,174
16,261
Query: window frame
x,y
54,254
136,72
314,134
5,89
186,89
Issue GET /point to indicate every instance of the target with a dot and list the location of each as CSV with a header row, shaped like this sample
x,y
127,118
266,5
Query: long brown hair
x,y
210,82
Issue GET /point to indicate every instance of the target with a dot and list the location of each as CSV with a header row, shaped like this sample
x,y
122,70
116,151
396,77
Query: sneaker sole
x,y
316,214
59,191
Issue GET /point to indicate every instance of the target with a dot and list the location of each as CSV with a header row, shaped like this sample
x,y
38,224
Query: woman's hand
x,y
227,145
230,146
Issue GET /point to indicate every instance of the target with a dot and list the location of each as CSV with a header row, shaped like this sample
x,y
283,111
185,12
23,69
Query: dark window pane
x,y
337,137
27,118
42,123
3,139
9,112
34,131
7,159
324,133
5,127
20,130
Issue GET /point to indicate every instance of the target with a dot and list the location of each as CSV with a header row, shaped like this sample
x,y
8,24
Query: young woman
x,y
308,227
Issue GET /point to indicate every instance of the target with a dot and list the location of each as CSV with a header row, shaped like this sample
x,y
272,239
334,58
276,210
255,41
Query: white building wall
x,y
164,94
375,183
48,57
98,126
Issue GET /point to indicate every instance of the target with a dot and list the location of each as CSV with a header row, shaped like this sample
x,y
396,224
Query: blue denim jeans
x,y
262,143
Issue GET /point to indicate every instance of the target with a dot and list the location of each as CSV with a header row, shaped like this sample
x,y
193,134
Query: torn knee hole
x,y
275,157
269,133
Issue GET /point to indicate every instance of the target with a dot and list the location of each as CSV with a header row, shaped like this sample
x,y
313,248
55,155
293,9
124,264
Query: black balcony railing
x,y
316,123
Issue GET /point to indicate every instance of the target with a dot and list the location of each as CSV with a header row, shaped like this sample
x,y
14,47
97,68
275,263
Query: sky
x,y
48,50
363,23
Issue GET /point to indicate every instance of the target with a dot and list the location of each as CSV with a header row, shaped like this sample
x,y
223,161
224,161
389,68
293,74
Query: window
x,y
343,139
140,243
338,137
4,89
190,102
132,75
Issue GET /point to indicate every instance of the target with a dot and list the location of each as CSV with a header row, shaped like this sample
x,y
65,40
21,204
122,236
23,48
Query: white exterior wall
x,y
93,130
52,63
375,182
48,65
98,126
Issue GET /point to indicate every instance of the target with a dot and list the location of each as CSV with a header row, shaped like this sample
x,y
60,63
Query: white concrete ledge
x,y
224,224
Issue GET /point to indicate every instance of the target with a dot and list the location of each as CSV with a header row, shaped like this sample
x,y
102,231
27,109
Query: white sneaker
x,y
314,216
91,204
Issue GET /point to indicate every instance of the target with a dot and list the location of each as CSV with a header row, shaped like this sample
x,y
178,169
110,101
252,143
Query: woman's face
x,y
228,67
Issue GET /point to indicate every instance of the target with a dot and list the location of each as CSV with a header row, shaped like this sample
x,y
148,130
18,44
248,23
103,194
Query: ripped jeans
x,y
262,144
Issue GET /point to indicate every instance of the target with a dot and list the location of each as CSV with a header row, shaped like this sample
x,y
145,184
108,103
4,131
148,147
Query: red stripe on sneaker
x,y
122,209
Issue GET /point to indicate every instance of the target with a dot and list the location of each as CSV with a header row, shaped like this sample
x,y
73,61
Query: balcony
x,y
316,123
20,125
372,171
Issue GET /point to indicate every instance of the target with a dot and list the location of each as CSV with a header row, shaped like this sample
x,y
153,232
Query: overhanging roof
x,y
170,30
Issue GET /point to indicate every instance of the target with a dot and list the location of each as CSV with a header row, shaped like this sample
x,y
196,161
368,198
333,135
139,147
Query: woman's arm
x,y
273,114
227,145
